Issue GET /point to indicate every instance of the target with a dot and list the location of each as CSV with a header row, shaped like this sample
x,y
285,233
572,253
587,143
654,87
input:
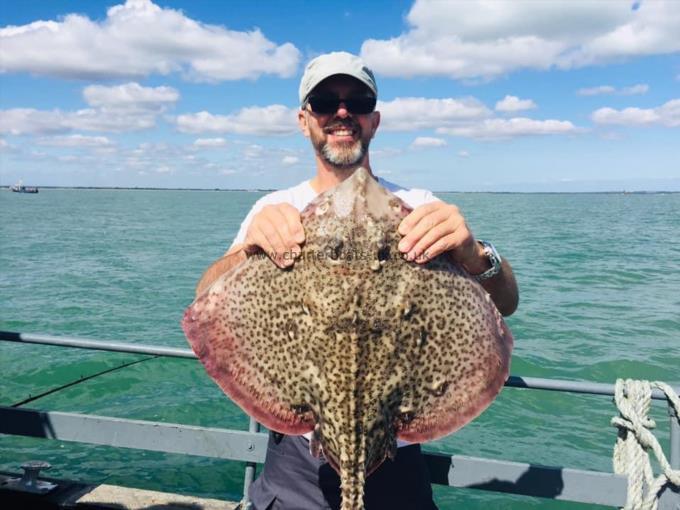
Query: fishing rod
x,y
81,380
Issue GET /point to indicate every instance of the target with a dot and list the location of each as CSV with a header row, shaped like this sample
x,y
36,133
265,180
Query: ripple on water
x,y
598,301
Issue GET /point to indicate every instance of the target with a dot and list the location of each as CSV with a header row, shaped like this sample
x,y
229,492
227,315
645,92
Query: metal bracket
x,y
29,481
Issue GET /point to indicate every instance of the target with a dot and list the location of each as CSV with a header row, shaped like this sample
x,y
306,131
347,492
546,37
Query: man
x,y
338,95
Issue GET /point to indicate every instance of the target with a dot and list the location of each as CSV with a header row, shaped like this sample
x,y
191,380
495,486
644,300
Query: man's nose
x,y
342,111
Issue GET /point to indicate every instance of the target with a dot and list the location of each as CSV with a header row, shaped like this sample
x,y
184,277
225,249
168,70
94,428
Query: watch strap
x,y
494,259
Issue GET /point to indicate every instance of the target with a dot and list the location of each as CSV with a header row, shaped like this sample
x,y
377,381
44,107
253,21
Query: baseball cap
x,y
330,64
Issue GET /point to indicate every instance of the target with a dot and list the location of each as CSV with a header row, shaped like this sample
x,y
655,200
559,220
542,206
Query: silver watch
x,y
495,260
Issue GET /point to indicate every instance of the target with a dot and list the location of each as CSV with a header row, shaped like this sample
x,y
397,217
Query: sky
x,y
474,95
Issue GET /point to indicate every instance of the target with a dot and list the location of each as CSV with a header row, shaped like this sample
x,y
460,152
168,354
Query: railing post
x,y
675,438
670,498
249,475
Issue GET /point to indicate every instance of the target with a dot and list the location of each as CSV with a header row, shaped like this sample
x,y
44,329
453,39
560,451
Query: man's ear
x,y
302,122
376,123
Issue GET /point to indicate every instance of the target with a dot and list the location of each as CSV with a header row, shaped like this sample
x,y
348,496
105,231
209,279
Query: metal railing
x,y
452,470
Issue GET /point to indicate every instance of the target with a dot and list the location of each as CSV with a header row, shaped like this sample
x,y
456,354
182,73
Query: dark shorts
x,y
292,479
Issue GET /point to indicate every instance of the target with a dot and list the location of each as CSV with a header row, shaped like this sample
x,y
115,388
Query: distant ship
x,y
20,188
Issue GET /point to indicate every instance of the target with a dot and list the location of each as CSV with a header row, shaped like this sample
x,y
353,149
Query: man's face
x,y
340,138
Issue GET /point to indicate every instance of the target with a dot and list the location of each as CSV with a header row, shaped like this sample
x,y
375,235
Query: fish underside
x,y
353,343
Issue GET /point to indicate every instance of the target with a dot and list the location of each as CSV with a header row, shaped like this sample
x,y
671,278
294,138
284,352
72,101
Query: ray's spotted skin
x,y
353,342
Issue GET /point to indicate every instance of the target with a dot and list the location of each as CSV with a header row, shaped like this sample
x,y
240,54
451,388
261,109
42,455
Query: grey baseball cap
x,y
330,64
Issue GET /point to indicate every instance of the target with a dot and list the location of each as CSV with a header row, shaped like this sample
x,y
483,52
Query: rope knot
x,y
633,399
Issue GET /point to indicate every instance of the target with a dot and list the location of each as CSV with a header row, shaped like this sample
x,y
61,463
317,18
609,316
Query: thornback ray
x,y
353,343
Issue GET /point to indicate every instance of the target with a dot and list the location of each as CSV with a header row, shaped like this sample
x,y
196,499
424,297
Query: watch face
x,y
493,255
494,260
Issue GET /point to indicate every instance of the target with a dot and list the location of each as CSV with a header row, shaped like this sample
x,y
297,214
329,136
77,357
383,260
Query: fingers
x,y
432,246
427,225
277,230
265,236
416,215
293,225
433,229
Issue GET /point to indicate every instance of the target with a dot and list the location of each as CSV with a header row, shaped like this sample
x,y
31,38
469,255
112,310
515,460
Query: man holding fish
x,y
338,96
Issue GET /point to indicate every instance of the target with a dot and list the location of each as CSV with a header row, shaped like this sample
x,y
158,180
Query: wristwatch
x,y
494,259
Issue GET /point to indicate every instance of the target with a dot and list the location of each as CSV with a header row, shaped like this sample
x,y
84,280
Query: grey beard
x,y
344,157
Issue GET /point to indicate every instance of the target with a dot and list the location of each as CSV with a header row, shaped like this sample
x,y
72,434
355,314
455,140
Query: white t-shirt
x,y
302,194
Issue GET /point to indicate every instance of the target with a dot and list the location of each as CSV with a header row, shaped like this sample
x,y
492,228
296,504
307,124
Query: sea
x,y
599,279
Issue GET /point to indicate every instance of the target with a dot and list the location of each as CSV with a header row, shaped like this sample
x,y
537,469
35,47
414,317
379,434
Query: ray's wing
x,y
455,349
251,333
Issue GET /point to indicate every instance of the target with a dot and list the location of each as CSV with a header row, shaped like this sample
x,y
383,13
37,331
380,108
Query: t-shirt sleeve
x,y
243,229
428,197
417,197
293,196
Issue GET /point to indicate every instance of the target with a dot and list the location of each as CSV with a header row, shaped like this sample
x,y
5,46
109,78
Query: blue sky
x,y
474,96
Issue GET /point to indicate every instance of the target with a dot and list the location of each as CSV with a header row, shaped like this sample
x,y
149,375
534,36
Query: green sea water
x,y
598,273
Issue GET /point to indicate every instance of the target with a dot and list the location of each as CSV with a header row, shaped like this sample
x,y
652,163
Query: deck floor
x,y
80,496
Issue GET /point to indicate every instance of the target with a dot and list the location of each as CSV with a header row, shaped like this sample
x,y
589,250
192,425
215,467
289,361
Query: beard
x,y
343,155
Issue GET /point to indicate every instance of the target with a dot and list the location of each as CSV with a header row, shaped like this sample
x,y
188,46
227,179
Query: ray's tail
x,y
352,480
353,476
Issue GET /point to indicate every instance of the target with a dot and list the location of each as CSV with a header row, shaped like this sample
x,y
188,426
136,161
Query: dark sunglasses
x,y
325,105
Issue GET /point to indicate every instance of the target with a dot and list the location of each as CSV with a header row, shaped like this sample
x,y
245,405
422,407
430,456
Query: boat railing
x,y
554,482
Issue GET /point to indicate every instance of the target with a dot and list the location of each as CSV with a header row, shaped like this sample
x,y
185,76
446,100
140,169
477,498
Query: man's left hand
x,y
438,227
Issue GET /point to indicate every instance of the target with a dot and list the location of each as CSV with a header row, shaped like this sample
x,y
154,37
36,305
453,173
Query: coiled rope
x,y
631,458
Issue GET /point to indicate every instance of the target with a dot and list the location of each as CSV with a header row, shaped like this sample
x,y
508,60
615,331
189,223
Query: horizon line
x,y
269,190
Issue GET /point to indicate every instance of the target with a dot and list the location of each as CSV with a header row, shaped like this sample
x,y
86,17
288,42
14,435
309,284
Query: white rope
x,y
631,458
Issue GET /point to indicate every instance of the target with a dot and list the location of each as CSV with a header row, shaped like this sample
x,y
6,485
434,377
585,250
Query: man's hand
x,y
278,231
438,227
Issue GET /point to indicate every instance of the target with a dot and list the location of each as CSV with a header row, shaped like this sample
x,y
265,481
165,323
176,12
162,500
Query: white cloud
x,y
210,142
514,104
253,151
159,158
137,39
463,154
386,152
412,113
463,117
130,96
267,120
19,121
667,115
6,147
507,128
428,141
289,160
127,107
485,39
596,91
640,88
76,141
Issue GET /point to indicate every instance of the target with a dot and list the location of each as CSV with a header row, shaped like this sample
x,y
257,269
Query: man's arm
x,y
438,227
276,229
502,287
231,259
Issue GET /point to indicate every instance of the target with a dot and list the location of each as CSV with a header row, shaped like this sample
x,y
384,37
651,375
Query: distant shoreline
x,y
269,190
143,188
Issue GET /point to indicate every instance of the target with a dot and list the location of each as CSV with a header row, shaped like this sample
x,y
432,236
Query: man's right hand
x,y
278,231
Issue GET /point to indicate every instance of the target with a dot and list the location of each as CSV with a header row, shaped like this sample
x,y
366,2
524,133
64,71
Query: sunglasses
x,y
325,105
